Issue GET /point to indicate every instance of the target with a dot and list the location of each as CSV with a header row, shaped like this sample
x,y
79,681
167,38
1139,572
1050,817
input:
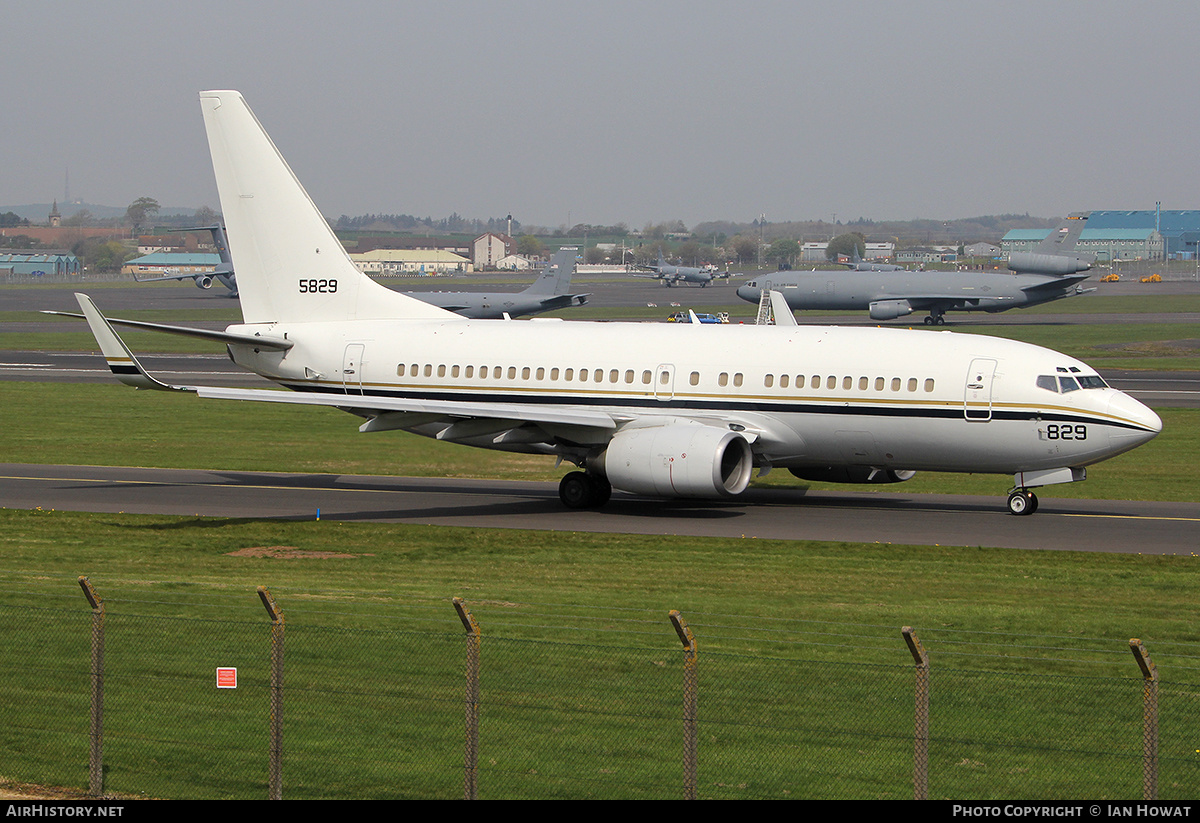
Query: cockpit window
x,y
1064,383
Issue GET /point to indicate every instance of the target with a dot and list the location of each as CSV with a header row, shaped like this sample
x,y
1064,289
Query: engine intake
x,y
678,460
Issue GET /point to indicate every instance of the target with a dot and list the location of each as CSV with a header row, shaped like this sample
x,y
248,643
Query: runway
x,y
777,514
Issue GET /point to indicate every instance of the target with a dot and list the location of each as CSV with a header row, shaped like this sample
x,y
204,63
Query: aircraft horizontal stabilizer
x,y
1057,284
274,344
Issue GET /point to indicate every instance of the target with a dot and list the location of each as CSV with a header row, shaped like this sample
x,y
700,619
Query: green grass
x,y
805,682
805,686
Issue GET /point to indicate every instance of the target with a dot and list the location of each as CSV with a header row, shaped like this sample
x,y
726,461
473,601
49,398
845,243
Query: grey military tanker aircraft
x,y
888,295
1050,272
549,292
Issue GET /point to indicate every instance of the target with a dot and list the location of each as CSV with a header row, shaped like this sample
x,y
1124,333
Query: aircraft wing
x,y
1057,283
948,301
532,413
562,301
161,278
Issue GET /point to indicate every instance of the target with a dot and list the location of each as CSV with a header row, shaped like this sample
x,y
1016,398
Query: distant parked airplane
x,y
670,274
887,295
1056,254
548,292
223,273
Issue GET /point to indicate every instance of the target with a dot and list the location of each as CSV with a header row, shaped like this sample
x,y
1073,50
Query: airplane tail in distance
x,y
1056,254
1063,239
290,265
556,279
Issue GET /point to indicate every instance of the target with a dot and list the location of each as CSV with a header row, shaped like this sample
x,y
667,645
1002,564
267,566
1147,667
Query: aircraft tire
x,y
580,490
1022,502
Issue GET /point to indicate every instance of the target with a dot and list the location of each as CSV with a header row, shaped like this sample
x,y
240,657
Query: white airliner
x,y
665,410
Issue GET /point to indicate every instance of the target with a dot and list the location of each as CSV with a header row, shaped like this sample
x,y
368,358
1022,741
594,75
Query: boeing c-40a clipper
x,y
651,409
1050,272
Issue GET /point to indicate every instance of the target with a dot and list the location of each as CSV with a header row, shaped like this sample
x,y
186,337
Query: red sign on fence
x,y
226,677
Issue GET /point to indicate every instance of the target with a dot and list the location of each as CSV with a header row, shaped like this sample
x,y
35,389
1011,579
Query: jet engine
x,y
678,460
204,282
853,474
890,309
1031,263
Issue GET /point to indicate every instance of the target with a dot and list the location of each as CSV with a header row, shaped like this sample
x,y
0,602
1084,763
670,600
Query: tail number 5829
x,y
318,286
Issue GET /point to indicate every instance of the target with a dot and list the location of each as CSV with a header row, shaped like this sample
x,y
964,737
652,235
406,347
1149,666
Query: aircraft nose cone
x,y
747,293
1140,423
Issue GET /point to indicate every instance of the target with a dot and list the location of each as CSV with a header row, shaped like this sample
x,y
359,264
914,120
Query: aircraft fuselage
x,y
803,396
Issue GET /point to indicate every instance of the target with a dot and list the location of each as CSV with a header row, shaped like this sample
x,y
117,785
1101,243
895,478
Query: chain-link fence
x,y
325,697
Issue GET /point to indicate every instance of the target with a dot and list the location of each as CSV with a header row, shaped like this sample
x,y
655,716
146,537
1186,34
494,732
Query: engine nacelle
x,y
1031,263
890,309
204,282
678,460
853,474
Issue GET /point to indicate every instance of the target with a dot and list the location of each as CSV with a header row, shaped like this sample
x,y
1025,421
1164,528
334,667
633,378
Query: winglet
x,y
120,359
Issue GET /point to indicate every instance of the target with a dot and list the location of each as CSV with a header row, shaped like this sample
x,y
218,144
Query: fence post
x,y
921,716
96,756
275,767
471,699
1149,719
690,700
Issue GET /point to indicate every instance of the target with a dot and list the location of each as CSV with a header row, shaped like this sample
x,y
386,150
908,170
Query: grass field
x,y
806,681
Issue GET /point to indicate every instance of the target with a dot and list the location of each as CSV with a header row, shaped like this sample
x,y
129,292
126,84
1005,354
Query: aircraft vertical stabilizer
x,y
290,265
556,279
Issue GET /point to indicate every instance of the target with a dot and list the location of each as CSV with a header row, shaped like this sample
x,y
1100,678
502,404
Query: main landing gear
x,y
580,490
1022,501
935,318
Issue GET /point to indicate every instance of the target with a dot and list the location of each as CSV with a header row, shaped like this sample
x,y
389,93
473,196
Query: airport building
x,y
38,263
165,262
490,248
1122,234
1107,243
395,262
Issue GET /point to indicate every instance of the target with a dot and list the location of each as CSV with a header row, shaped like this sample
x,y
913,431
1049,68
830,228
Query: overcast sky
x,y
607,112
